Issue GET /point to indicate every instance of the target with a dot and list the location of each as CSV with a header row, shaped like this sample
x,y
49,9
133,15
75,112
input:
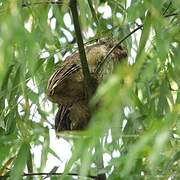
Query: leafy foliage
x,y
138,116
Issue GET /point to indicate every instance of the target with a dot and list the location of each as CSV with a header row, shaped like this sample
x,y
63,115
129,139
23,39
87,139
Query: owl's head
x,y
103,51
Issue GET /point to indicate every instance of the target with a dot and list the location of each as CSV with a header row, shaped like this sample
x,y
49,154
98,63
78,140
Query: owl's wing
x,y
61,75
62,121
72,117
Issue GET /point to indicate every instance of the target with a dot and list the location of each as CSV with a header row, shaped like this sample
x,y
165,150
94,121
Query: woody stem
x,y
85,69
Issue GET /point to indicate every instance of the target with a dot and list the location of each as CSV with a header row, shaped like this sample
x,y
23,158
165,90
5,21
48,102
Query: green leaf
x,y
136,10
44,153
144,36
15,84
54,169
6,77
30,163
10,122
175,158
54,153
20,161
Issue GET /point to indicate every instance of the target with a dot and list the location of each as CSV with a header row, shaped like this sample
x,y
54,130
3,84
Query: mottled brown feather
x,y
66,86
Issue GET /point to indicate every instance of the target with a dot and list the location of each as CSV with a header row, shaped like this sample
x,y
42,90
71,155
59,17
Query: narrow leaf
x,y
20,162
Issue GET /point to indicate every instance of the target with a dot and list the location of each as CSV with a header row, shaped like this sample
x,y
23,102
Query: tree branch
x,y
51,174
27,4
85,69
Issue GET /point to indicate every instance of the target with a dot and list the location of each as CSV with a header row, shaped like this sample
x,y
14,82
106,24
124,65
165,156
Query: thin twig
x,y
172,14
27,4
52,174
169,5
115,46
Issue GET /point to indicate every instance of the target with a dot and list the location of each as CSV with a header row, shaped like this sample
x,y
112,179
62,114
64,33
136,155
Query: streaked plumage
x,y
66,86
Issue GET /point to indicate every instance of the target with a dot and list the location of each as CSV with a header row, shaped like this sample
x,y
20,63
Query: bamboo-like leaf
x,y
44,153
54,169
20,161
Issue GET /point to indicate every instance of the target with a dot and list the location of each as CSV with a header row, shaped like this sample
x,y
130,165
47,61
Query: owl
x,y
66,86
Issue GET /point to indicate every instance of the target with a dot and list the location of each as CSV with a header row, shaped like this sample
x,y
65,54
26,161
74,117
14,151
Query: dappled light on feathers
x,y
66,85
